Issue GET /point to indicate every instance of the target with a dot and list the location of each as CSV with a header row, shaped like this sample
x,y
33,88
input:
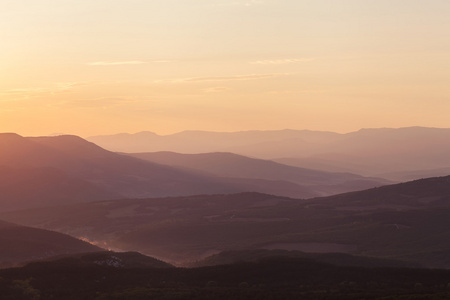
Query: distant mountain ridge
x,y
196,141
120,176
68,169
368,152
237,166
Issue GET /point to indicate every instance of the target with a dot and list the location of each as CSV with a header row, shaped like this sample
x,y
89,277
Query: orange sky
x,y
107,66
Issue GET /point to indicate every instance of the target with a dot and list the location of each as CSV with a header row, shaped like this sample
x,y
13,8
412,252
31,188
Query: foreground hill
x,y
120,260
338,259
269,278
368,151
238,166
20,244
408,222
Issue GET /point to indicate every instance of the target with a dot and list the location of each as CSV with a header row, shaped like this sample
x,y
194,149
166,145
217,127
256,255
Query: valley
x,y
216,210
224,150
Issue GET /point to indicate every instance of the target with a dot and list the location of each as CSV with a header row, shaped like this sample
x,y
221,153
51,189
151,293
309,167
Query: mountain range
x,y
183,207
68,169
369,152
229,165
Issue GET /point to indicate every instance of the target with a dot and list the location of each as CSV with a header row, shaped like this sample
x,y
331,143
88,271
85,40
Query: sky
x,y
107,66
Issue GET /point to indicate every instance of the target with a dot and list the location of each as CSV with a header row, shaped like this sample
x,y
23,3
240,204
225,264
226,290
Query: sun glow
x,y
83,67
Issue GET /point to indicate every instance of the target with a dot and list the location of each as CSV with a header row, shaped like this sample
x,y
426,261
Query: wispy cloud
x,y
221,78
231,78
64,86
30,92
280,61
102,102
216,89
126,62
23,90
117,63
241,3
287,92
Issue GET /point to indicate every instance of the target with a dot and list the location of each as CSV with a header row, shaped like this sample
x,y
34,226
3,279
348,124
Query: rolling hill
x,y
238,166
119,260
408,221
269,278
338,259
20,244
44,186
424,193
51,165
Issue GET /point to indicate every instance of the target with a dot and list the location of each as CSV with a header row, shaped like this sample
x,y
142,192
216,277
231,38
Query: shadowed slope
x,y
35,187
19,244
429,192
119,260
122,175
408,221
237,166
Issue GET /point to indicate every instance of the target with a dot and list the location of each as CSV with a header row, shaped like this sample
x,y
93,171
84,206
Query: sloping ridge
x,y
408,221
19,244
237,166
123,176
368,151
428,192
44,186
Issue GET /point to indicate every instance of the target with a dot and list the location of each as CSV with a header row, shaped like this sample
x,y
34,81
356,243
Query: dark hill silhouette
x,y
172,229
120,260
408,221
270,278
422,193
238,166
339,259
20,244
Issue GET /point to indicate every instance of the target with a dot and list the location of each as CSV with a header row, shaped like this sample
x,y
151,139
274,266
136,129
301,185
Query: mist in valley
x,y
245,149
